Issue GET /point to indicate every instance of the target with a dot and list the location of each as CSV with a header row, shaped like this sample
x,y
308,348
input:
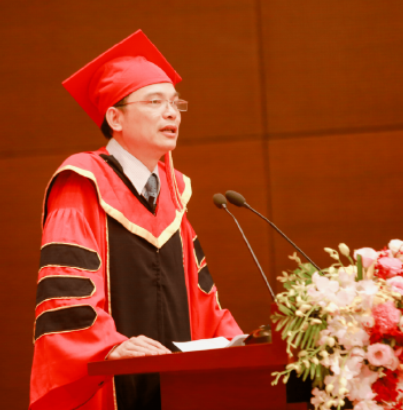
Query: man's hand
x,y
137,346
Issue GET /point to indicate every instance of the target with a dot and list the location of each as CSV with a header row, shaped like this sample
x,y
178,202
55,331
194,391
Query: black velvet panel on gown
x,y
148,297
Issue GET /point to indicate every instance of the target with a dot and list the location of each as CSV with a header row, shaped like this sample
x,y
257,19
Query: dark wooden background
x,y
298,105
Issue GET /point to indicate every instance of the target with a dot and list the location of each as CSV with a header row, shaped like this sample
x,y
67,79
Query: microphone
x,y
238,200
221,202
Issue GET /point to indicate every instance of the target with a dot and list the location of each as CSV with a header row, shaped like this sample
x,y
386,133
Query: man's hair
x,y
105,128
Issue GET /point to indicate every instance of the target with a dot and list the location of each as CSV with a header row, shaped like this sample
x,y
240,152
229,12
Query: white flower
x,y
346,296
305,307
332,362
354,363
349,333
367,405
367,287
360,391
319,397
346,276
360,386
332,253
367,320
355,336
332,383
344,249
368,256
331,308
322,290
396,284
395,245
367,290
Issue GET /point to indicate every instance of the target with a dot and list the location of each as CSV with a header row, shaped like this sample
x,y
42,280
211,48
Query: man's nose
x,y
170,111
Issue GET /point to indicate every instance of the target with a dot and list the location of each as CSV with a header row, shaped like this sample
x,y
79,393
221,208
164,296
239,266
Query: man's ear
x,y
114,118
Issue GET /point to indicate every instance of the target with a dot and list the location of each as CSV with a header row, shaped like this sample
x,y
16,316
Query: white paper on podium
x,y
208,344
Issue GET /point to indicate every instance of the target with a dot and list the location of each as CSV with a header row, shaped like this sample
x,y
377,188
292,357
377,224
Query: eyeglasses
x,y
180,105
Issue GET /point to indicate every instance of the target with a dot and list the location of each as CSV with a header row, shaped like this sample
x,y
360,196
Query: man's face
x,y
150,130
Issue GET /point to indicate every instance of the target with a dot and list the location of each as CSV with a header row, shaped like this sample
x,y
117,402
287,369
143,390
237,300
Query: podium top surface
x,y
254,356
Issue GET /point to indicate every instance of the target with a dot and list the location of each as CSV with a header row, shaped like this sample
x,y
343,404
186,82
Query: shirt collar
x,y
133,168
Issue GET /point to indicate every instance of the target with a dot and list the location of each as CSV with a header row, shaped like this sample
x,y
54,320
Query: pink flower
x,y
380,354
396,283
389,267
386,316
368,255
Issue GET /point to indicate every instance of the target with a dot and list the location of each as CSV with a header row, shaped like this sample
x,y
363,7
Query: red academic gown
x,y
74,320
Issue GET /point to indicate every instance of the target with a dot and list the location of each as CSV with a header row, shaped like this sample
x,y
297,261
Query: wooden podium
x,y
233,378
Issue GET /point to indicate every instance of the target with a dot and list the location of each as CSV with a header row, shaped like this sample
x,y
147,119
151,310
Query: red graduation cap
x,y
129,65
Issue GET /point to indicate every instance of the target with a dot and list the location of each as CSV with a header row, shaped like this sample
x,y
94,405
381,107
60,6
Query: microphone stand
x,y
263,334
251,251
246,205
238,200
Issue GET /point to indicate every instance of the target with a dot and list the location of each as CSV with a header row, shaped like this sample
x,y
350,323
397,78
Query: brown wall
x,y
298,105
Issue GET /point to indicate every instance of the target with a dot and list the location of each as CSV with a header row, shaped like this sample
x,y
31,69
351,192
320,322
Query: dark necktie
x,y
151,190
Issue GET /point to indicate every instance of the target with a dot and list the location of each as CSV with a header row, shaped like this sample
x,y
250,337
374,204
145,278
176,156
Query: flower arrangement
x,y
344,328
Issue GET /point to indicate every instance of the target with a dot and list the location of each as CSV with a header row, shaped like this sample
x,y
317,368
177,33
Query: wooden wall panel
x,y
216,168
335,189
22,185
42,44
332,65
46,43
324,68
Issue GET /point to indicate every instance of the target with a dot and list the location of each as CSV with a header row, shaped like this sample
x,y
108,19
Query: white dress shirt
x,y
133,168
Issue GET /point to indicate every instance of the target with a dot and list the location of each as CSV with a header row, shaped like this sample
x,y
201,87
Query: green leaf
x,y
318,382
294,328
281,323
305,375
275,317
288,327
298,323
311,338
285,310
298,338
312,371
306,336
314,337
359,268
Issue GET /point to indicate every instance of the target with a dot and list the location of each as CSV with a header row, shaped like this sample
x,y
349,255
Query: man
x,y
122,273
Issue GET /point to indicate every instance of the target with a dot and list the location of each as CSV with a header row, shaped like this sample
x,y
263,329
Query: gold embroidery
x,y
207,293
108,285
130,226
183,252
64,331
186,282
108,279
115,402
67,297
203,263
199,265
195,256
218,300
178,197
187,192
72,267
